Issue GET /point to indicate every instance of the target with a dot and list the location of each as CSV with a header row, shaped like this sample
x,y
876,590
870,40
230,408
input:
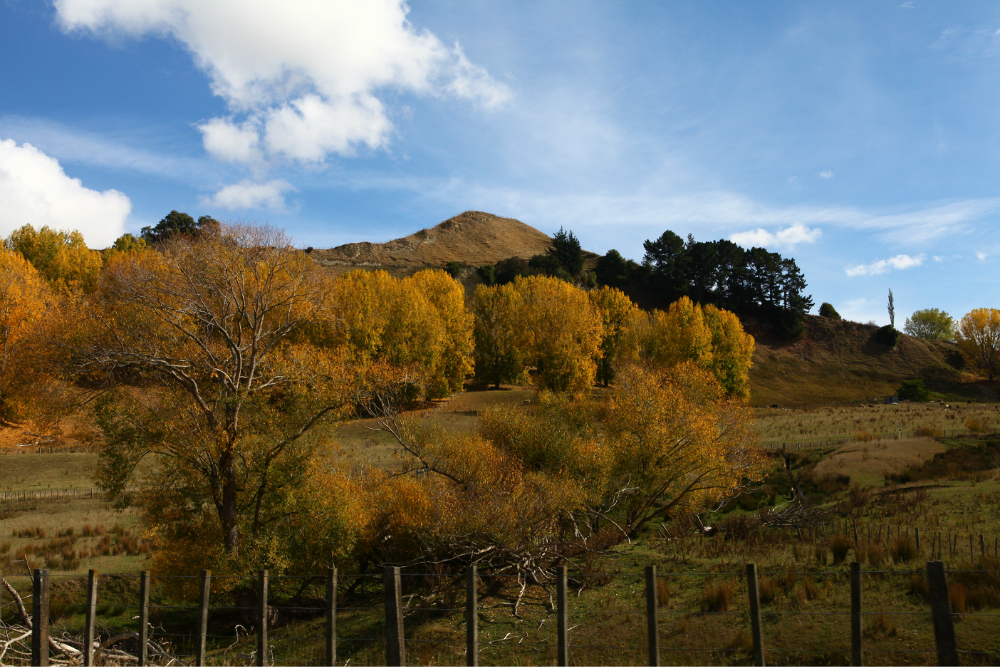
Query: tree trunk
x,y
230,528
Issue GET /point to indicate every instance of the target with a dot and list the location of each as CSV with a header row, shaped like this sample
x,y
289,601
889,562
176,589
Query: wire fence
x,y
564,616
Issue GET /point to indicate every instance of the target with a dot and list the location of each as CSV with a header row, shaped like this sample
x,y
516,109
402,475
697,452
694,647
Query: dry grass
x,y
867,463
837,362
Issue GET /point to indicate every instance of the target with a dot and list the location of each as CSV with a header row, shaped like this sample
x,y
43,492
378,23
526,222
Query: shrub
x,y
974,425
888,336
913,390
826,310
928,432
454,268
487,273
839,546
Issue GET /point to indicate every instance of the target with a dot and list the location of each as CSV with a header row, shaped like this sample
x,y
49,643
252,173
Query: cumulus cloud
x,y
826,174
35,190
249,195
301,78
787,238
981,256
885,265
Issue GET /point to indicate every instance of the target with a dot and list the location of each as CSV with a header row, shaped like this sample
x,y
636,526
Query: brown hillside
x,y
840,362
473,237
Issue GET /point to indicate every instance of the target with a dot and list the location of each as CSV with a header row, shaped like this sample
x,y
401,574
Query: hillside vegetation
x,y
837,361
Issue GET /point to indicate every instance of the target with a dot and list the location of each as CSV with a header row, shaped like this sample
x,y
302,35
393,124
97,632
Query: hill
x,y
473,237
837,361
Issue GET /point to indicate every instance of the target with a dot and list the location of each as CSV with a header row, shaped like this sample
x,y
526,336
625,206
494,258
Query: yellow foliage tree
x,y
420,321
978,339
562,331
732,351
499,337
447,296
62,257
709,337
213,390
618,315
678,442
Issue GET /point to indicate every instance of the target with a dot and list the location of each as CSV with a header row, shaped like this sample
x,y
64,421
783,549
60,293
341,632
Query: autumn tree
x,y
214,392
25,300
709,337
499,338
418,321
61,256
678,442
562,331
978,337
618,313
447,297
930,324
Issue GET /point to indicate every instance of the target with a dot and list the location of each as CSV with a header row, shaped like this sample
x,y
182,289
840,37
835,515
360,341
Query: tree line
x,y
216,361
752,283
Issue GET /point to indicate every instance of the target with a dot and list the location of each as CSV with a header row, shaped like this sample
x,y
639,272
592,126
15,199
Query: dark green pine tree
x,y
566,248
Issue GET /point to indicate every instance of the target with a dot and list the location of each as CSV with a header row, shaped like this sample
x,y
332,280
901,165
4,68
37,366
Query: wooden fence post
x,y
331,616
262,619
982,546
857,658
916,534
472,617
40,618
652,627
944,624
88,624
562,617
395,640
143,619
206,589
755,629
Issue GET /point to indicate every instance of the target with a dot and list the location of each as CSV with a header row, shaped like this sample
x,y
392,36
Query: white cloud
x,y
885,265
230,142
35,190
826,174
787,238
301,77
250,195
981,256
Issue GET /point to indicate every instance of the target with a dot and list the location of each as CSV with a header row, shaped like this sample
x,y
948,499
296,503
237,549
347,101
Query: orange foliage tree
x,y
25,299
531,485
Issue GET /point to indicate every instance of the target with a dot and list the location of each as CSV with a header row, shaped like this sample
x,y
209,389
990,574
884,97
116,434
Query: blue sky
x,y
860,138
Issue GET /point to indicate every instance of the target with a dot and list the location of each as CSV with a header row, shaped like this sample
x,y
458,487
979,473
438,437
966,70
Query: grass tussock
x,y
840,546
717,596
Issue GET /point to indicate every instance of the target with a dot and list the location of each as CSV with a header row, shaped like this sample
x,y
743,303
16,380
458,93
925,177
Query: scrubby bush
x,y
913,390
827,310
888,336
839,546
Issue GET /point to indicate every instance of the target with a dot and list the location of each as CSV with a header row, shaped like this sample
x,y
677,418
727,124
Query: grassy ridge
x,y
838,362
